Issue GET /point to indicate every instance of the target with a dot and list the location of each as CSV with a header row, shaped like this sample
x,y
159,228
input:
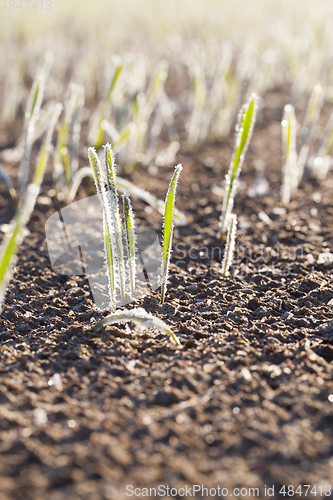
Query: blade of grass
x,y
97,131
109,247
111,178
244,129
11,242
130,238
168,229
311,116
76,181
75,130
326,144
125,185
31,115
45,151
64,151
290,174
230,245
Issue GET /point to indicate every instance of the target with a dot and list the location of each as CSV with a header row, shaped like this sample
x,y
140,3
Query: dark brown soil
x,y
246,403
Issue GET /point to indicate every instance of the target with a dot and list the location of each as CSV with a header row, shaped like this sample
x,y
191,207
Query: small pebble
x,y
325,258
40,416
56,381
253,303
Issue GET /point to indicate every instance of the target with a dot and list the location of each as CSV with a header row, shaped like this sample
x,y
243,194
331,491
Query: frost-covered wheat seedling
x,y
12,240
322,162
101,113
135,115
112,193
141,318
311,116
106,186
46,147
130,238
244,129
159,205
230,245
110,250
144,106
14,237
168,229
195,124
31,115
124,186
12,86
290,174
66,151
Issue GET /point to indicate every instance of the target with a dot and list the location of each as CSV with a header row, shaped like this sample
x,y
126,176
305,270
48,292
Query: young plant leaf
x,y
140,317
97,131
76,181
290,174
109,246
311,116
111,178
244,129
65,155
230,245
45,151
323,160
168,229
124,186
156,87
159,205
31,115
130,238
12,240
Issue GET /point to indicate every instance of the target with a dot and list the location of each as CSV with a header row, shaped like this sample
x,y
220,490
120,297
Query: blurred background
x,y
211,55
84,35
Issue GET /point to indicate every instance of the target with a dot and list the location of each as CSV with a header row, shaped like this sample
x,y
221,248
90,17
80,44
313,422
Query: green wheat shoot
x,y
130,239
168,229
46,147
65,155
96,132
322,162
244,129
112,192
109,244
311,116
230,245
14,237
31,115
290,173
124,186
